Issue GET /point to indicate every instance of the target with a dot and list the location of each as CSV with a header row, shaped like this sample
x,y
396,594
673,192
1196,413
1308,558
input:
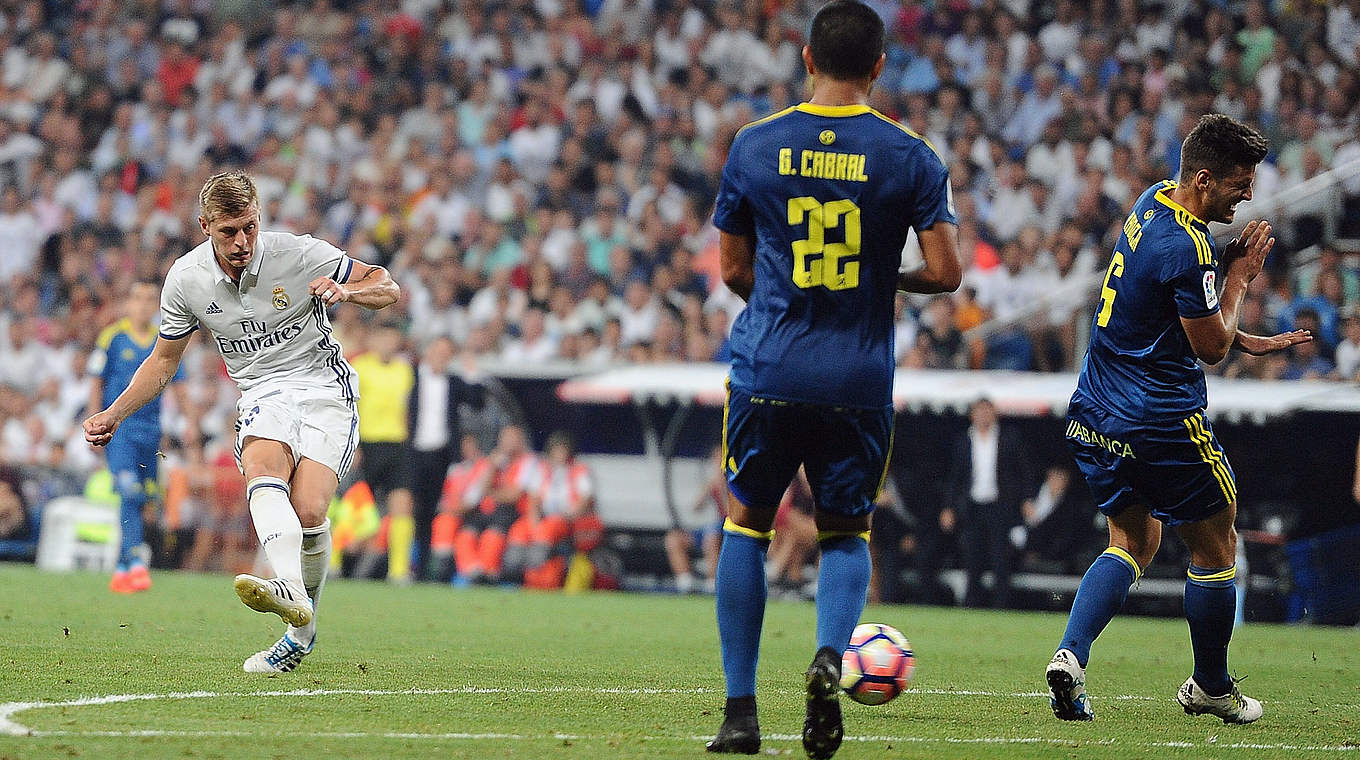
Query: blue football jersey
x,y
829,194
1140,365
117,354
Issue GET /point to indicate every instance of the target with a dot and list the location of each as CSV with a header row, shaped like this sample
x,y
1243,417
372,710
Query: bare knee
x,y
311,508
831,522
750,518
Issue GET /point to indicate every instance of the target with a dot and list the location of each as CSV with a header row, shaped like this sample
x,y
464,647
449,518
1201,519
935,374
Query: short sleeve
x,y
321,259
177,319
732,210
934,198
1194,284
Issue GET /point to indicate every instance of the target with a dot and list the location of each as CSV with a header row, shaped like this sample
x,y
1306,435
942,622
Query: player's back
x,y
829,194
1140,364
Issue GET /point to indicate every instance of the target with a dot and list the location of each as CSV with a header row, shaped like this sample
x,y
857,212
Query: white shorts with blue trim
x,y
320,426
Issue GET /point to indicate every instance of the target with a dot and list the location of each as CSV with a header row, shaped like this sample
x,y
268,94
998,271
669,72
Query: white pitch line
x,y
460,736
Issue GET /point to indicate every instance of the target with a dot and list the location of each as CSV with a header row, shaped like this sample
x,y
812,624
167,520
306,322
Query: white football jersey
x,y
269,330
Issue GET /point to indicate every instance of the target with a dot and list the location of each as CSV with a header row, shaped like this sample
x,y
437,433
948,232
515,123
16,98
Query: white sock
x,y
316,560
277,526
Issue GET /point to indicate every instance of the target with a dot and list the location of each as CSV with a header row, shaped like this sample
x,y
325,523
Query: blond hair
x,y
227,194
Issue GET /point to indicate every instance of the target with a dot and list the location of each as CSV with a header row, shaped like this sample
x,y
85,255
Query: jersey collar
x,y
1174,206
818,110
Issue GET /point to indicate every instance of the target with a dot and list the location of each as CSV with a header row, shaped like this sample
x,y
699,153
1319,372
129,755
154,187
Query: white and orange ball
x,y
877,665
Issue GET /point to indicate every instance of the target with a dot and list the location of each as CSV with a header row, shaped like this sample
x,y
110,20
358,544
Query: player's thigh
x,y
846,461
1098,444
313,487
761,454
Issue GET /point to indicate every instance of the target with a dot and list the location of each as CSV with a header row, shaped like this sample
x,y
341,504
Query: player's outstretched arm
x,y
368,286
147,383
1211,337
942,272
1260,345
738,254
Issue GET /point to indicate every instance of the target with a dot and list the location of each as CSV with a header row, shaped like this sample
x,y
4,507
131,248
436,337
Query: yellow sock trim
x,y
1222,575
731,527
401,533
1120,553
823,535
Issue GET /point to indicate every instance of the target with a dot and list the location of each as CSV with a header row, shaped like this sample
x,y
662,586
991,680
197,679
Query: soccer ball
x,y
878,664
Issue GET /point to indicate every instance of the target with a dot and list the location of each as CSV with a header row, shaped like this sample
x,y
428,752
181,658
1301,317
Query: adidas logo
x,y
213,308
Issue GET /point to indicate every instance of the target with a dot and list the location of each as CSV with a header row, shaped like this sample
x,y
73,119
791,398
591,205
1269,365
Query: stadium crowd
x,y
538,175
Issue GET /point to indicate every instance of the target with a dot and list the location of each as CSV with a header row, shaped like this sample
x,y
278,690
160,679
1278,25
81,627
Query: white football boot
x,y
1067,687
1232,707
277,596
280,658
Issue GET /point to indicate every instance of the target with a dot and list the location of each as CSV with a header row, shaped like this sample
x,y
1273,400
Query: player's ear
x,y
807,61
1203,178
878,67
203,223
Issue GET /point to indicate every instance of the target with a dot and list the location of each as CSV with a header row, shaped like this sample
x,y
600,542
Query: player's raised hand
x,y
1245,254
1259,345
329,291
99,428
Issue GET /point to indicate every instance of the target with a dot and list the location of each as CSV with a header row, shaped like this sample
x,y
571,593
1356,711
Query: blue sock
x,y
741,604
1099,597
130,515
1210,603
842,585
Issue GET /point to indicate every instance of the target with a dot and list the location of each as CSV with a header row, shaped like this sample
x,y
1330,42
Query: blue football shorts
x,y
844,451
1175,467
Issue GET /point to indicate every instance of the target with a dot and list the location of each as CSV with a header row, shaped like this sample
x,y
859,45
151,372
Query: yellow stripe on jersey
x,y
731,527
728,464
908,130
1222,575
107,335
1220,465
854,109
1202,250
883,477
1212,457
771,117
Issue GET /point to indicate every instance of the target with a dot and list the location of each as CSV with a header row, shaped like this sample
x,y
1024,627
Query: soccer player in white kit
x,y
262,297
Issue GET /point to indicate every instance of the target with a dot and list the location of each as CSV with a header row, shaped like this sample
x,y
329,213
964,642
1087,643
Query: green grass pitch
x,y
429,671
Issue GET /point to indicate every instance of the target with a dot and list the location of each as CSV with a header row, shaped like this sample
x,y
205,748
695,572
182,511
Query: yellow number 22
x,y
816,262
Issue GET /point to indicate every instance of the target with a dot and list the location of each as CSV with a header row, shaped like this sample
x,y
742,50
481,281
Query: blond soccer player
x,y
263,297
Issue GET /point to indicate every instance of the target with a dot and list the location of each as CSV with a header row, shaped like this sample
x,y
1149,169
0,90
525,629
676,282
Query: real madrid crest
x,y
280,299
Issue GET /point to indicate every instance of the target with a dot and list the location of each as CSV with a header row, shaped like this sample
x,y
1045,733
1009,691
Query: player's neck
x,y
838,92
1189,199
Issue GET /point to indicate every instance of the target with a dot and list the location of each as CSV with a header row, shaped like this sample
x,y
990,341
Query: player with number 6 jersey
x,y
814,208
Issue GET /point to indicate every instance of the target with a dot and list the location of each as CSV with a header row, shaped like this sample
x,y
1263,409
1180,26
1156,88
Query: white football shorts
x,y
319,426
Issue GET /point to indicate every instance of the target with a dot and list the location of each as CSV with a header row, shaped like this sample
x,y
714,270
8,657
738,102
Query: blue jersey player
x,y
1137,424
814,209
132,454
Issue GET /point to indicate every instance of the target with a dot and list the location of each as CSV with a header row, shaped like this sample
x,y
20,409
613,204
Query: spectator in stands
x,y
1055,525
794,542
482,538
433,417
707,538
989,481
464,506
559,521
1348,350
